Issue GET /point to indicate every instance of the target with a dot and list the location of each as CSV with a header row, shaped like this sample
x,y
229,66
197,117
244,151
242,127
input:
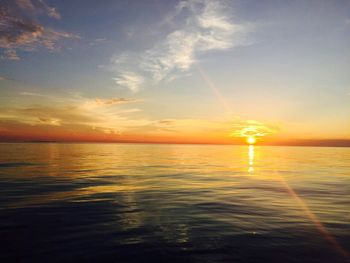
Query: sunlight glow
x,y
251,140
251,158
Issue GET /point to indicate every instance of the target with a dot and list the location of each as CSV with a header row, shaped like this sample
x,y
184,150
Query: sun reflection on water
x,y
251,159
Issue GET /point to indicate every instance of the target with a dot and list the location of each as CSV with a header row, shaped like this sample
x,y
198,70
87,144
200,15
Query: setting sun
x,y
251,140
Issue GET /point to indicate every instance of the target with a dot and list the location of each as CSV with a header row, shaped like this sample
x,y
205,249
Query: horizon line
x,y
301,143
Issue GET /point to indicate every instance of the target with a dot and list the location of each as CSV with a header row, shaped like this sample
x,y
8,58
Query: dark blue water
x,y
173,203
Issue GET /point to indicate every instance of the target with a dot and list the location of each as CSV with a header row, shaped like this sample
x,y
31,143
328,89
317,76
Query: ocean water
x,y
173,203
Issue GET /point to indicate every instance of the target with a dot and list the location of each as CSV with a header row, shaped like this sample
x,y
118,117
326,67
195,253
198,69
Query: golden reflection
x,y
251,158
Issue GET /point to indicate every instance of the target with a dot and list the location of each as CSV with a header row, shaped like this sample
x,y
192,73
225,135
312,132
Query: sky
x,y
195,71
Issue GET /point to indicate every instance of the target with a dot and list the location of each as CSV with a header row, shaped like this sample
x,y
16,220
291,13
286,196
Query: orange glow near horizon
x,y
183,131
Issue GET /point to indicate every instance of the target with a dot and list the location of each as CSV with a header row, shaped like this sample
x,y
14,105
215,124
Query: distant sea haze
x,y
101,202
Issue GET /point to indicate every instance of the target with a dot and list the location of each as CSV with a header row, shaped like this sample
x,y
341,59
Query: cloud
x,y
166,122
38,7
98,41
10,54
4,78
50,121
25,93
43,114
113,101
130,80
198,26
207,28
131,110
20,31
25,4
77,99
72,114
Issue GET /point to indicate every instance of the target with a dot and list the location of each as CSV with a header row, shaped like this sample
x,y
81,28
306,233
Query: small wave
x,y
16,164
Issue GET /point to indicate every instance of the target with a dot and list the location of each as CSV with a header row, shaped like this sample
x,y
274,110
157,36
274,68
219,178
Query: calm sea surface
x,y
173,203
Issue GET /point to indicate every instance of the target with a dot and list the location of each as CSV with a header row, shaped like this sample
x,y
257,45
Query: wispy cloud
x,y
19,29
25,93
78,99
38,7
166,122
98,41
42,114
49,121
130,80
113,101
5,78
10,54
198,26
73,112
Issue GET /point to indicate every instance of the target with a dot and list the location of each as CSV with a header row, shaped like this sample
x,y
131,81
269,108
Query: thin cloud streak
x,y
5,78
38,7
10,54
113,101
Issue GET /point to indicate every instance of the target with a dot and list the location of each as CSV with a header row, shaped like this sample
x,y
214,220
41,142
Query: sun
x,y
251,140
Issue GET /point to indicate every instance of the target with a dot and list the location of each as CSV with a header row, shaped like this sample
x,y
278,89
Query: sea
x,y
84,202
